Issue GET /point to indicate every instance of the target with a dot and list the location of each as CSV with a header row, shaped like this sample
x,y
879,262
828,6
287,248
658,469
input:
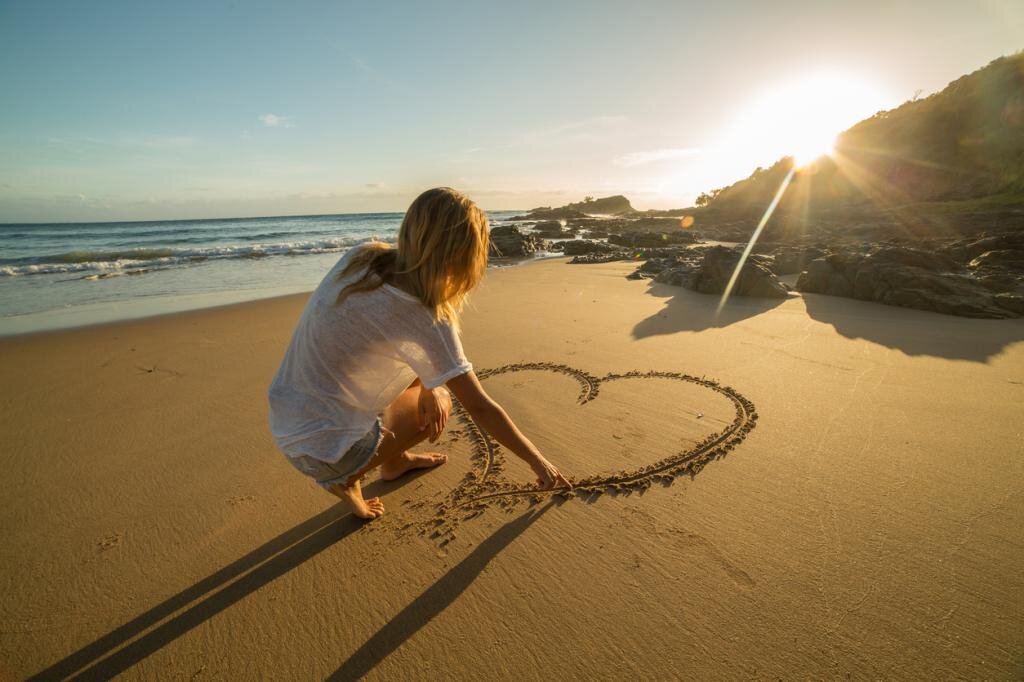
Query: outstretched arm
x,y
490,416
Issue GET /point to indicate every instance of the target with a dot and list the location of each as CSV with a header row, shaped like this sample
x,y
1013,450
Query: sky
x,y
164,110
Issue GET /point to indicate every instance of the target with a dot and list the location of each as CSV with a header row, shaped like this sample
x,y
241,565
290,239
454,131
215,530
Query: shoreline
x,y
44,322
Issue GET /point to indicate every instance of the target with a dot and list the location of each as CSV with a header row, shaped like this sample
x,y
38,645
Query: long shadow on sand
x,y
915,332
257,568
689,311
433,601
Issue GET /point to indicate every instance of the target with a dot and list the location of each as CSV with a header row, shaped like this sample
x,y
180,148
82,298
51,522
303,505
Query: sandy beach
x,y
867,525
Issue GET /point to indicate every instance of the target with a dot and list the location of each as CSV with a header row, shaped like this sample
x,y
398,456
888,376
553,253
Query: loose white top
x,y
347,362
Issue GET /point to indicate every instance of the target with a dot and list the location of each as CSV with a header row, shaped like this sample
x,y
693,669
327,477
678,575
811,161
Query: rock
x,y
548,213
905,277
824,277
1010,301
904,256
709,271
590,258
791,261
578,247
965,250
553,229
755,278
1001,258
653,239
508,242
677,276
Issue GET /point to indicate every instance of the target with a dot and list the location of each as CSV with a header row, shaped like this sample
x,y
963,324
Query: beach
x,y
866,525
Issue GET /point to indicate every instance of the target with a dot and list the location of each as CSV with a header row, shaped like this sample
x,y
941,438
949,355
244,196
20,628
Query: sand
x,y
868,523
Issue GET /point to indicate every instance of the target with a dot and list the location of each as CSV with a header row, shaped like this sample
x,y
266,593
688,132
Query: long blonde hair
x,y
442,250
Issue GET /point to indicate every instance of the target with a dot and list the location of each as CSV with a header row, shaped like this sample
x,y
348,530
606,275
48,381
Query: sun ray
x,y
753,240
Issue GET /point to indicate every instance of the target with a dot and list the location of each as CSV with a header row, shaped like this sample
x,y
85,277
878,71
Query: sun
x,y
800,117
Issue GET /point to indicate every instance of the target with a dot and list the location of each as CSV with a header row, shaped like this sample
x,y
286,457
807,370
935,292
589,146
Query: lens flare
x,y
753,240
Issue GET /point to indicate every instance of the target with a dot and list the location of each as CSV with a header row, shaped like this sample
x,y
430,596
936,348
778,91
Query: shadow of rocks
x,y
915,332
689,311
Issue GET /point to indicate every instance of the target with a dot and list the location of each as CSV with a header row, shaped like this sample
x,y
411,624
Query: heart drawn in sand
x,y
484,485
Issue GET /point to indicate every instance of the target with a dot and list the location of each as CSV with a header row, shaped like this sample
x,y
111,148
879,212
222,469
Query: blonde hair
x,y
442,248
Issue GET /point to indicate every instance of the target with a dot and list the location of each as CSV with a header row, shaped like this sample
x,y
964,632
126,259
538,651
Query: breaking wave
x,y
101,264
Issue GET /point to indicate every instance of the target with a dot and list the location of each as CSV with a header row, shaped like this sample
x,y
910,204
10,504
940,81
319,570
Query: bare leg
x,y
401,433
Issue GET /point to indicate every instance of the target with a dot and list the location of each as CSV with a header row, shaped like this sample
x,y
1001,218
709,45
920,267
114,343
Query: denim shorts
x,y
327,474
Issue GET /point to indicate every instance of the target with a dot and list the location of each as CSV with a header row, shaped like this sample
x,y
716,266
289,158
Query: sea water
x,y
67,274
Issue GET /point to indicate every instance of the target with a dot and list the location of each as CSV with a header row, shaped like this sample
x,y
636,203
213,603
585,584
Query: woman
x,y
363,379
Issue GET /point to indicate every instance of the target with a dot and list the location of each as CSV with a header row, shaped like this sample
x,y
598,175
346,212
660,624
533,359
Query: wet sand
x,y
816,487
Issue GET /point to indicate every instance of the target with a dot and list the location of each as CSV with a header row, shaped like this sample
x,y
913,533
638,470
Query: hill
x,y
931,165
616,205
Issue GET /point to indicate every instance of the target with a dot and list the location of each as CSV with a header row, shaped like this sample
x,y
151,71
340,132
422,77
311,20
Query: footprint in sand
x,y
109,541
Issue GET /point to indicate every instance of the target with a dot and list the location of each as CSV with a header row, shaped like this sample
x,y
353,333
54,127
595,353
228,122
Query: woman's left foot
x,y
407,461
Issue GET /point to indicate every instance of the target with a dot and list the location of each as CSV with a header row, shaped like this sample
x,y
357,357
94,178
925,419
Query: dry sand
x,y
870,525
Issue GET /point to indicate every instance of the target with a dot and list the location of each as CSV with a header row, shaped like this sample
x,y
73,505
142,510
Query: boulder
x,y
792,260
755,279
905,277
578,247
589,258
552,229
965,250
508,242
653,239
1012,259
708,272
677,276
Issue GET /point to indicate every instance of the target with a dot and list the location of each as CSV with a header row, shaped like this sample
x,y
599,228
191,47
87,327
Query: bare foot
x,y
352,496
407,461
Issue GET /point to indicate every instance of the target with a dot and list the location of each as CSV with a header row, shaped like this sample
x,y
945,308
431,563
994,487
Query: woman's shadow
x,y
205,599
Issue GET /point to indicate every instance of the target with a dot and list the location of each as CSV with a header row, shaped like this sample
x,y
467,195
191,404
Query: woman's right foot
x,y
352,496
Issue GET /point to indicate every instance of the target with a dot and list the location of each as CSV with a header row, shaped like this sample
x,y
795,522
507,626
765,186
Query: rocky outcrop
x,y
616,205
606,257
910,278
653,239
755,278
708,271
578,247
789,260
553,229
508,242
548,213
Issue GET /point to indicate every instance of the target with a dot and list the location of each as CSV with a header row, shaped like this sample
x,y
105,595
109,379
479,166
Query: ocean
x,y
69,274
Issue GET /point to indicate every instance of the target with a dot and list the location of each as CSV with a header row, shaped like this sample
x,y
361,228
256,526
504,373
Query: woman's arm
x,y
490,416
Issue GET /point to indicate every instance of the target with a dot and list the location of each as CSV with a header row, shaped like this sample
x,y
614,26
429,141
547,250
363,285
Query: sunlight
x,y
799,118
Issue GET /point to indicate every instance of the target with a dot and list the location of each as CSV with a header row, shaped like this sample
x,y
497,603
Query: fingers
x,y
552,480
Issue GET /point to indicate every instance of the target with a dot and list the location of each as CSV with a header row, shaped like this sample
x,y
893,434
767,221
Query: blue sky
x,y
149,110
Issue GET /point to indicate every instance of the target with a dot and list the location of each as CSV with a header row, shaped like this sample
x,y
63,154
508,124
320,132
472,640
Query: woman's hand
x,y
548,476
432,412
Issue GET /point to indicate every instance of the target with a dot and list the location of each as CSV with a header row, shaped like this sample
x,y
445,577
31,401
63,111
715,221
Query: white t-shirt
x,y
347,362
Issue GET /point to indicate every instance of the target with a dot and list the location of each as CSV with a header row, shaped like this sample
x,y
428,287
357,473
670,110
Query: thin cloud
x,y
655,155
583,130
275,121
